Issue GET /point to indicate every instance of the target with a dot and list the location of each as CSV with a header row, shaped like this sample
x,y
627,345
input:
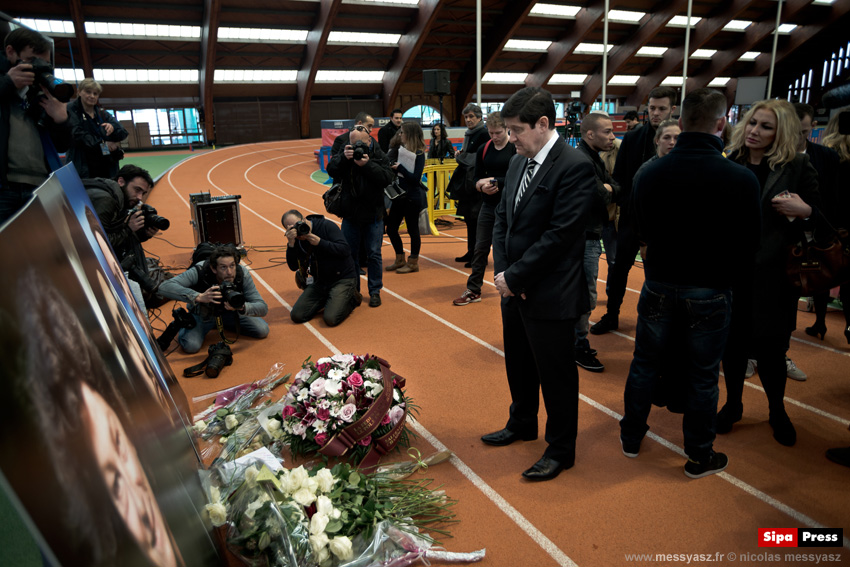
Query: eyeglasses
x,y
362,128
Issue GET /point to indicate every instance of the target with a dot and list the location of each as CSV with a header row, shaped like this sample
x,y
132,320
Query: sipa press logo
x,y
800,537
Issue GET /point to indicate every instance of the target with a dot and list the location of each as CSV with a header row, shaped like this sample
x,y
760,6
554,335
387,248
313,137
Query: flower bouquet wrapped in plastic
x,y
346,405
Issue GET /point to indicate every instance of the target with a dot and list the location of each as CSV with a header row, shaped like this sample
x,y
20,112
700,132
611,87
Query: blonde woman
x,y
765,142
407,206
97,135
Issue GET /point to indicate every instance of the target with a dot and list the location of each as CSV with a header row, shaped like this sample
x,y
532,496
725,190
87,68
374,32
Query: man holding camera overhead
x,y
363,170
320,257
34,125
218,290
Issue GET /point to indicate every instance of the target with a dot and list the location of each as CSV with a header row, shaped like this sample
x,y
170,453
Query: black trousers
x,y
628,246
539,355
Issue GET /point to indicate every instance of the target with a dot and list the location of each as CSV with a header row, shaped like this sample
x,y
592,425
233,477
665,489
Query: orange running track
x,y
604,509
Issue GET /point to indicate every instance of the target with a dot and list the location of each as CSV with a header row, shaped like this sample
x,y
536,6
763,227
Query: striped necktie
x,y
526,179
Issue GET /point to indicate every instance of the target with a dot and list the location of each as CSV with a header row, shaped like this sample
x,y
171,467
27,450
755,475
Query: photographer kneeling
x,y
218,288
319,254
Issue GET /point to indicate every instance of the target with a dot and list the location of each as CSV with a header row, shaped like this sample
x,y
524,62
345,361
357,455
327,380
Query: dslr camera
x,y
301,228
152,219
44,77
220,356
360,149
231,295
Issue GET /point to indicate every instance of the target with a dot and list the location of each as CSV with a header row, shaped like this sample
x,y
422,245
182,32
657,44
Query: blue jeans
x,y
372,234
193,339
689,324
592,252
13,199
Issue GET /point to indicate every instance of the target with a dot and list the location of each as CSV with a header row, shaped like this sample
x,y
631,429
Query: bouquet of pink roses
x,y
346,405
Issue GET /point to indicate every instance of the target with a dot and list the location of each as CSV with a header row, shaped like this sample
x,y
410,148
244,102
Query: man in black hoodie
x,y
319,253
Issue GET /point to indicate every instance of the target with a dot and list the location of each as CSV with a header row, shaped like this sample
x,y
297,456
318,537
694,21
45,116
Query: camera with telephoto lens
x,y
220,356
43,70
301,228
152,219
360,149
231,295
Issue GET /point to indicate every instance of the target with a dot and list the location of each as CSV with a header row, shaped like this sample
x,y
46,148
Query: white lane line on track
x,y
767,499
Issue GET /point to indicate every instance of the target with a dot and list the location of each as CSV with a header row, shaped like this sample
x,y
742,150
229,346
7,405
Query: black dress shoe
x,y
545,469
465,258
506,437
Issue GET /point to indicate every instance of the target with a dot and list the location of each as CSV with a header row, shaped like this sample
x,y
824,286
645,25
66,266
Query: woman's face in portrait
x,y
760,131
125,480
437,132
667,140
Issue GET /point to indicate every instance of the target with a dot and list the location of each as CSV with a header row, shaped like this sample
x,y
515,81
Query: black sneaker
x,y
374,300
607,323
630,449
587,361
715,463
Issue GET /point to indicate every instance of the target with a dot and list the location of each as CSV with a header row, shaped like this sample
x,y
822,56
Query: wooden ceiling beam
x,y
586,20
317,41
80,27
494,40
209,37
408,48
754,34
674,58
651,24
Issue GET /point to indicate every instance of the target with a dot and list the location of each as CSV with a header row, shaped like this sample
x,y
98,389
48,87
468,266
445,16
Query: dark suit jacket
x,y
540,247
637,147
825,161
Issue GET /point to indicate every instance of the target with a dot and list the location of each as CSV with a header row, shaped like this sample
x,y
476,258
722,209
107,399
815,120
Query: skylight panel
x,y
737,25
349,76
625,16
624,80
49,26
591,48
749,56
682,21
127,29
719,82
146,75
254,76
267,34
69,75
554,11
823,2
703,54
672,81
649,51
379,2
787,28
338,37
567,79
527,45
504,78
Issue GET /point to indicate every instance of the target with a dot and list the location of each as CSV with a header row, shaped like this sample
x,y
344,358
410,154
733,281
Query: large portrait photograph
x,y
92,444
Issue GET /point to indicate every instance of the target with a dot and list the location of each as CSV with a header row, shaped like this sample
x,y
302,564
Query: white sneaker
x,y
751,368
793,372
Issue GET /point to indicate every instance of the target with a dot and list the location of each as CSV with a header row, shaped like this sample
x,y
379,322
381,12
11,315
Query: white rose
x,y
336,514
304,497
346,359
318,523
299,429
396,413
230,421
215,494
273,425
222,439
324,506
251,476
318,542
323,556
336,374
217,514
347,412
200,426
332,387
325,360
311,484
298,477
303,374
373,374
317,388
325,479
341,547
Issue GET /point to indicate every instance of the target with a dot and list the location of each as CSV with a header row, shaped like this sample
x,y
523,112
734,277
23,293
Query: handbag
x,y
394,190
338,201
814,266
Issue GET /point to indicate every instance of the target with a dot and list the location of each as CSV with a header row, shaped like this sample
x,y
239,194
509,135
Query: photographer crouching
x,y
220,293
128,222
319,254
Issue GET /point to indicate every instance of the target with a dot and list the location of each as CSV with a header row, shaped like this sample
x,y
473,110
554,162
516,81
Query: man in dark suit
x,y
538,248
637,147
388,130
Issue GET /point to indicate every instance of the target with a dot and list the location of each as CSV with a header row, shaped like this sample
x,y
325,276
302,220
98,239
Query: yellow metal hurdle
x,y
439,205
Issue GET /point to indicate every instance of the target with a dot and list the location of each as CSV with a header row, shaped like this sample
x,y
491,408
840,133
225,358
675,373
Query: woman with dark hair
x,y
441,146
407,206
108,511
838,213
765,141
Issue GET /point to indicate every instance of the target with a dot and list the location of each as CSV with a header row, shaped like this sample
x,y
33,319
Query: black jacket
x,y
603,197
440,149
637,147
385,134
330,260
366,182
85,152
59,133
825,161
111,208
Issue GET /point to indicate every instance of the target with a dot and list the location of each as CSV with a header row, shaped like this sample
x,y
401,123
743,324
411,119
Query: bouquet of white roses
x,y
346,405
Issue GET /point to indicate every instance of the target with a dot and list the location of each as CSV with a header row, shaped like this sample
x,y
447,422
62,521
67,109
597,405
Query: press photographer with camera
x,y
320,257
363,170
128,222
220,293
34,124
96,148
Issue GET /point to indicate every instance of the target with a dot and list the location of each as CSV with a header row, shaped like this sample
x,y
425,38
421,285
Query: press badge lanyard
x,y
104,148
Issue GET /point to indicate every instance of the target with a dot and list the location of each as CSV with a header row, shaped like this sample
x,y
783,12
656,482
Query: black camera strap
x,y
196,370
219,324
